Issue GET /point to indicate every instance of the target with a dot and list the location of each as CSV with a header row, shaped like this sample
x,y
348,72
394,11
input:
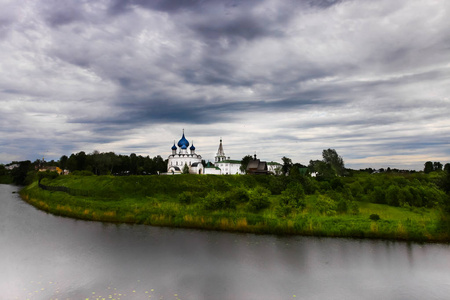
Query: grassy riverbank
x,y
257,204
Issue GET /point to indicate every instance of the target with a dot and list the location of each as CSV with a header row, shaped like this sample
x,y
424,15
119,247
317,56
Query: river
x,y
48,257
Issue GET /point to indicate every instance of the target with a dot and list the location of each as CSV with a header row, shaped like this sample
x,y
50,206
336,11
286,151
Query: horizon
x,y
293,78
231,158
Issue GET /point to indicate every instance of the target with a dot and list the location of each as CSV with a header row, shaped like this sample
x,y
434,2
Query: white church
x,y
183,156
223,165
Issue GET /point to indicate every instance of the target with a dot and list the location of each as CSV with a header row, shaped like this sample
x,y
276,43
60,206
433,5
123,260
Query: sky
x,y
369,79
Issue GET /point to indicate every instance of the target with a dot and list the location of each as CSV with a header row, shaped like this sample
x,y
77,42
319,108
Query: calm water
x,y
48,257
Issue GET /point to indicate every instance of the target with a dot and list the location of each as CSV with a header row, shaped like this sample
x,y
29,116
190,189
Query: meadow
x,y
388,206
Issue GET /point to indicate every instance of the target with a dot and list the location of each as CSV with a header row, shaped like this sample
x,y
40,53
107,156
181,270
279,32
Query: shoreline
x,y
224,221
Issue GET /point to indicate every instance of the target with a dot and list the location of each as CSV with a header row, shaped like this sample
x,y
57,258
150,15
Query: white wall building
x,y
225,164
212,170
184,156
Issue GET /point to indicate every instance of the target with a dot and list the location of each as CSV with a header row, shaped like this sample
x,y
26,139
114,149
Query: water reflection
x,y
48,257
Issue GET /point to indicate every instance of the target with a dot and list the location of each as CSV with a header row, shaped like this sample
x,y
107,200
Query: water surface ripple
x,y
48,257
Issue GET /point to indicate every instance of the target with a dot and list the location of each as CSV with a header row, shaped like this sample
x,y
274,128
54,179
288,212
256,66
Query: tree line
x,y
109,163
94,163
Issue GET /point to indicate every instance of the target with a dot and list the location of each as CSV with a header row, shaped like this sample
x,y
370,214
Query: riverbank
x,y
255,204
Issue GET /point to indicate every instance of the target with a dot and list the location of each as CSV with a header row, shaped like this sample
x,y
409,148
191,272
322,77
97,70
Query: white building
x,y
225,164
178,160
212,170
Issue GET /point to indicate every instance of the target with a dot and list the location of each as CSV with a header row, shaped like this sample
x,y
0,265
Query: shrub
x,y
239,195
215,200
309,185
342,206
392,195
337,184
185,198
294,196
276,185
258,199
374,217
378,195
325,205
354,208
356,189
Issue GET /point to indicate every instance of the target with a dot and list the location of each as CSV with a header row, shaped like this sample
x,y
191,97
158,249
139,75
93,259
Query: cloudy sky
x,y
370,79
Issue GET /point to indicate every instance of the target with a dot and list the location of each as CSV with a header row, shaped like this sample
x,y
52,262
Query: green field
x,y
257,204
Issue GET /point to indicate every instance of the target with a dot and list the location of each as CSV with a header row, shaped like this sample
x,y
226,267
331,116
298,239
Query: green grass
x,y
153,200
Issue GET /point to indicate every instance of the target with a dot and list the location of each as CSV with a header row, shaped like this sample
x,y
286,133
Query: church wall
x,y
229,168
180,161
212,171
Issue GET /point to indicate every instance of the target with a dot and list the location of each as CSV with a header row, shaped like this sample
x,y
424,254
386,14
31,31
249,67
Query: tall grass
x,y
155,200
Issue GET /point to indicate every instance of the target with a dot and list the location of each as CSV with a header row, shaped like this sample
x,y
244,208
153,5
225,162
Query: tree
x,y
244,163
186,169
160,163
287,165
336,162
3,170
437,166
20,173
324,171
447,167
133,164
63,162
81,160
446,181
428,167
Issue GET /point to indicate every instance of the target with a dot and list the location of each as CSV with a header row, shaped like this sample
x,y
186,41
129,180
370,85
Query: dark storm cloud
x,y
174,6
57,13
236,29
369,77
197,112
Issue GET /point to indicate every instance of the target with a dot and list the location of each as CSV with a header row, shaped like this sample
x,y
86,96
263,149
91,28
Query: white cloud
x,y
369,79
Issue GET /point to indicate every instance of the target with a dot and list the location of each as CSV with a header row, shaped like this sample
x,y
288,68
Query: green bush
x,y
325,205
215,201
283,210
342,206
354,208
238,195
185,198
258,199
294,196
374,217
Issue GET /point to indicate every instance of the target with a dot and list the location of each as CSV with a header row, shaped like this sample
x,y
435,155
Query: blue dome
x,y
183,142
174,147
184,146
192,147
